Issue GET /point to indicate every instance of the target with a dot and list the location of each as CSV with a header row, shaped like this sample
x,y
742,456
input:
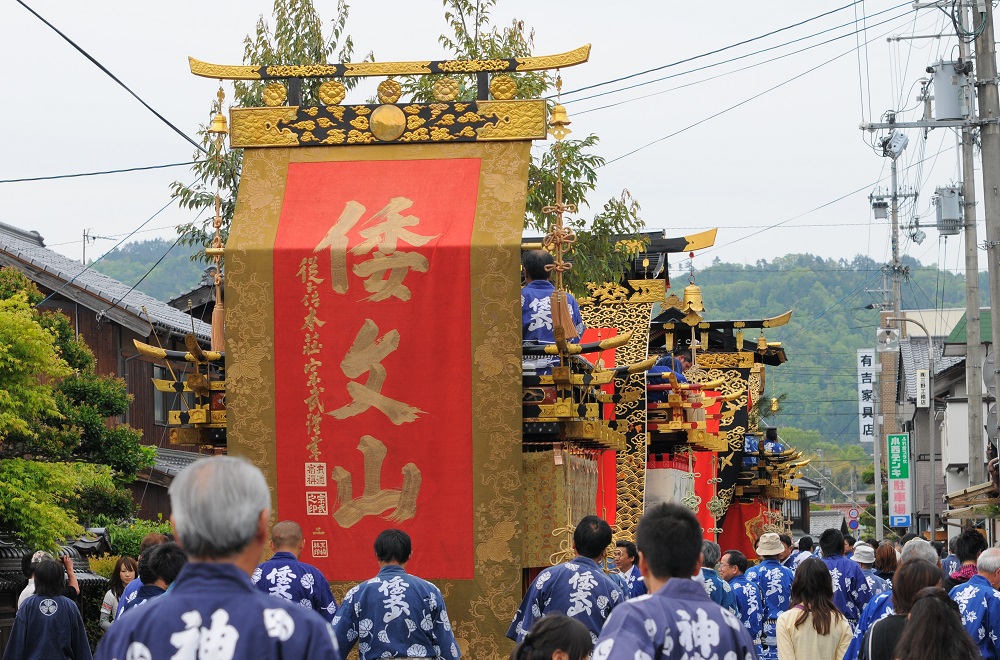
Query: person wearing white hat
x,y
774,583
864,555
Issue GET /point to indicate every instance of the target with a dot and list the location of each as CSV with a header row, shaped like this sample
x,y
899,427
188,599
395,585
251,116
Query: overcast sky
x,y
792,157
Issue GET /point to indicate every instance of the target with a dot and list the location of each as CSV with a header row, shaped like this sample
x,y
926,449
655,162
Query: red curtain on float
x,y
373,361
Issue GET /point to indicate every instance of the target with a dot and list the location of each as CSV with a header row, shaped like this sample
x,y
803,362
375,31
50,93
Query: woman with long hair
x,y
813,628
125,571
881,639
555,637
885,562
48,624
934,630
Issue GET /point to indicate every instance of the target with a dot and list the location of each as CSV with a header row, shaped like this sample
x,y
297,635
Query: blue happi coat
x,y
774,584
143,595
718,589
286,577
128,595
214,610
395,615
979,604
877,608
875,583
536,312
850,587
577,588
748,607
48,627
678,621
631,582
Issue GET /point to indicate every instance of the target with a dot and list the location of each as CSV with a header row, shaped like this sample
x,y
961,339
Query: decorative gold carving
x,y
743,360
445,89
223,71
629,411
503,88
516,120
388,122
274,94
569,58
389,91
651,291
332,92
238,72
262,126
608,292
472,66
435,122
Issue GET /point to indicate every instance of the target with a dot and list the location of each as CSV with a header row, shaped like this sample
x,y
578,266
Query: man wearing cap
x,y
774,583
864,555
72,589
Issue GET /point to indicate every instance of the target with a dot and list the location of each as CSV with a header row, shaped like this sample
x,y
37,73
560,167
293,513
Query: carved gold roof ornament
x,y
365,69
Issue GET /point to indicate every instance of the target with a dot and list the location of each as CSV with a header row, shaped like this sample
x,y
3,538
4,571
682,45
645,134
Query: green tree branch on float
x,y
298,38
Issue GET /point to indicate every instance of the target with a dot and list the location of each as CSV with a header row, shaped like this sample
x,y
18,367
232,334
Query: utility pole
x,y
86,235
989,135
974,344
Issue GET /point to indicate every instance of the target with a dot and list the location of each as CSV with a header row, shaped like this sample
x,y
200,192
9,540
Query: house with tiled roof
x,y
109,315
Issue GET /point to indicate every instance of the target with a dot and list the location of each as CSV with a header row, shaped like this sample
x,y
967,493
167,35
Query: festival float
x,y
372,363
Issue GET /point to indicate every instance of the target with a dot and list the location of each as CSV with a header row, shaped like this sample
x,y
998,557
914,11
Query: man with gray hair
x,y
221,507
716,588
979,603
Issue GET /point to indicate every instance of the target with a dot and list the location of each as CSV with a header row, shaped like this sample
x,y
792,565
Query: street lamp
x,y
930,387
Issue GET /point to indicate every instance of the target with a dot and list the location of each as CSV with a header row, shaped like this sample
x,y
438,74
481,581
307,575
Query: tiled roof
x,y
172,461
913,353
93,289
820,521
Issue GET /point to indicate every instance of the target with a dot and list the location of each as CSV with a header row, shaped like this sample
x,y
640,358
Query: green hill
x,y
136,264
829,323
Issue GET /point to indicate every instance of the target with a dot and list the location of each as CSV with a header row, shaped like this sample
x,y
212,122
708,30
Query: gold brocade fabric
x,y
481,608
555,496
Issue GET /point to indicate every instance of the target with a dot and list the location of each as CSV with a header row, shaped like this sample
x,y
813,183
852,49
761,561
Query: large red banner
x,y
373,361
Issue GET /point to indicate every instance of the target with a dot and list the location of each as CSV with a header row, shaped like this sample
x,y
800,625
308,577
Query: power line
x,y
102,172
712,52
732,107
113,77
91,264
730,60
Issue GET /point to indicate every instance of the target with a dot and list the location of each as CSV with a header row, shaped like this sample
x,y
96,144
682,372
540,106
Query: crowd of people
x,y
672,595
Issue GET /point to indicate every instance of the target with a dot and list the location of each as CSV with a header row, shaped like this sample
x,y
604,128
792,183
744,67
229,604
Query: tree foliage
x,y
61,461
296,38
596,256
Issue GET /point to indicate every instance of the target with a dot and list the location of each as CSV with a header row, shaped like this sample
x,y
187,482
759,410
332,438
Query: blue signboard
x,y
899,521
